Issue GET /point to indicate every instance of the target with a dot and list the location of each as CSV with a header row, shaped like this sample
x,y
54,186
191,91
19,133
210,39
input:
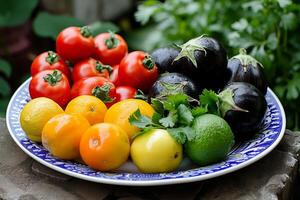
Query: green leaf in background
x,y
146,39
5,67
289,21
4,87
3,106
280,90
284,3
49,25
240,25
146,11
293,87
15,12
272,41
100,27
254,5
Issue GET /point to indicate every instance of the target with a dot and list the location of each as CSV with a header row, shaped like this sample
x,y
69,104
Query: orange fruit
x,y
62,133
92,108
104,147
120,112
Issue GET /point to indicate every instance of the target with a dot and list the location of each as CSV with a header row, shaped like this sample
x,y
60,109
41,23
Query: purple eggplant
x,y
164,58
172,83
243,106
204,59
245,68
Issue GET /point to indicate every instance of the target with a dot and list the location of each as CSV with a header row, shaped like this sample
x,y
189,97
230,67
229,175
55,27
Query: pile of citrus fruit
x,y
97,103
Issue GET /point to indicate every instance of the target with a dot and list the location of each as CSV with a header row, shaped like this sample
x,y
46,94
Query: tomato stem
x,y
148,62
52,57
53,78
103,93
85,31
112,41
100,67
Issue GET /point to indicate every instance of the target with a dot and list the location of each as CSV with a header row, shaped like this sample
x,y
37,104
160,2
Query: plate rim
x,y
149,182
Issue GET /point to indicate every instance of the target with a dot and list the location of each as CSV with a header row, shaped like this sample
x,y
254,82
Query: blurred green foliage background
x,y
268,29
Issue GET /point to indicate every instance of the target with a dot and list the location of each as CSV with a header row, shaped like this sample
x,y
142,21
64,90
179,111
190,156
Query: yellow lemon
x,y
35,114
92,108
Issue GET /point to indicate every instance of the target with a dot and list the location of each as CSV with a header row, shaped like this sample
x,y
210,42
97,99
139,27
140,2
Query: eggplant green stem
x,y
227,103
246,60
188,50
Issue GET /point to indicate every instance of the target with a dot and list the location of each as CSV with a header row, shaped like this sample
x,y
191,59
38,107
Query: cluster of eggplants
x,y
202,59
202,63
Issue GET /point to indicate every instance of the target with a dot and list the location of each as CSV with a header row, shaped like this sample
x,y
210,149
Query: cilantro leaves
x,y
211,100
176,115
185,115
139,120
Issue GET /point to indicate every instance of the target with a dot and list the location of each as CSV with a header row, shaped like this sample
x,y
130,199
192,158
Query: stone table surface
x,y
273,177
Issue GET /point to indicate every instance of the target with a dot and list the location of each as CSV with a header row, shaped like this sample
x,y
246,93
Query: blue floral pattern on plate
x,y
240,156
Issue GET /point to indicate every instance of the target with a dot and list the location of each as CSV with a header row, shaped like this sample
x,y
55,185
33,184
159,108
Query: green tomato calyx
x,y
100,67
188,50
103,93
227,103
148,62
52,57
111,42
85,31
53,78
246,60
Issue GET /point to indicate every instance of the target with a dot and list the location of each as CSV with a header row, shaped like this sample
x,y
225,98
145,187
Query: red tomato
x,y
49,61
138,70
52,84
114,76
75,43
127,92
98,86
110,48
89,68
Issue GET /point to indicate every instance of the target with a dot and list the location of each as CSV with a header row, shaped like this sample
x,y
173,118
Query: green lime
x,y
213,140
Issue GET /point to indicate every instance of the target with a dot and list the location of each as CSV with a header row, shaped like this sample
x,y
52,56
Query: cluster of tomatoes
x,y
101,66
